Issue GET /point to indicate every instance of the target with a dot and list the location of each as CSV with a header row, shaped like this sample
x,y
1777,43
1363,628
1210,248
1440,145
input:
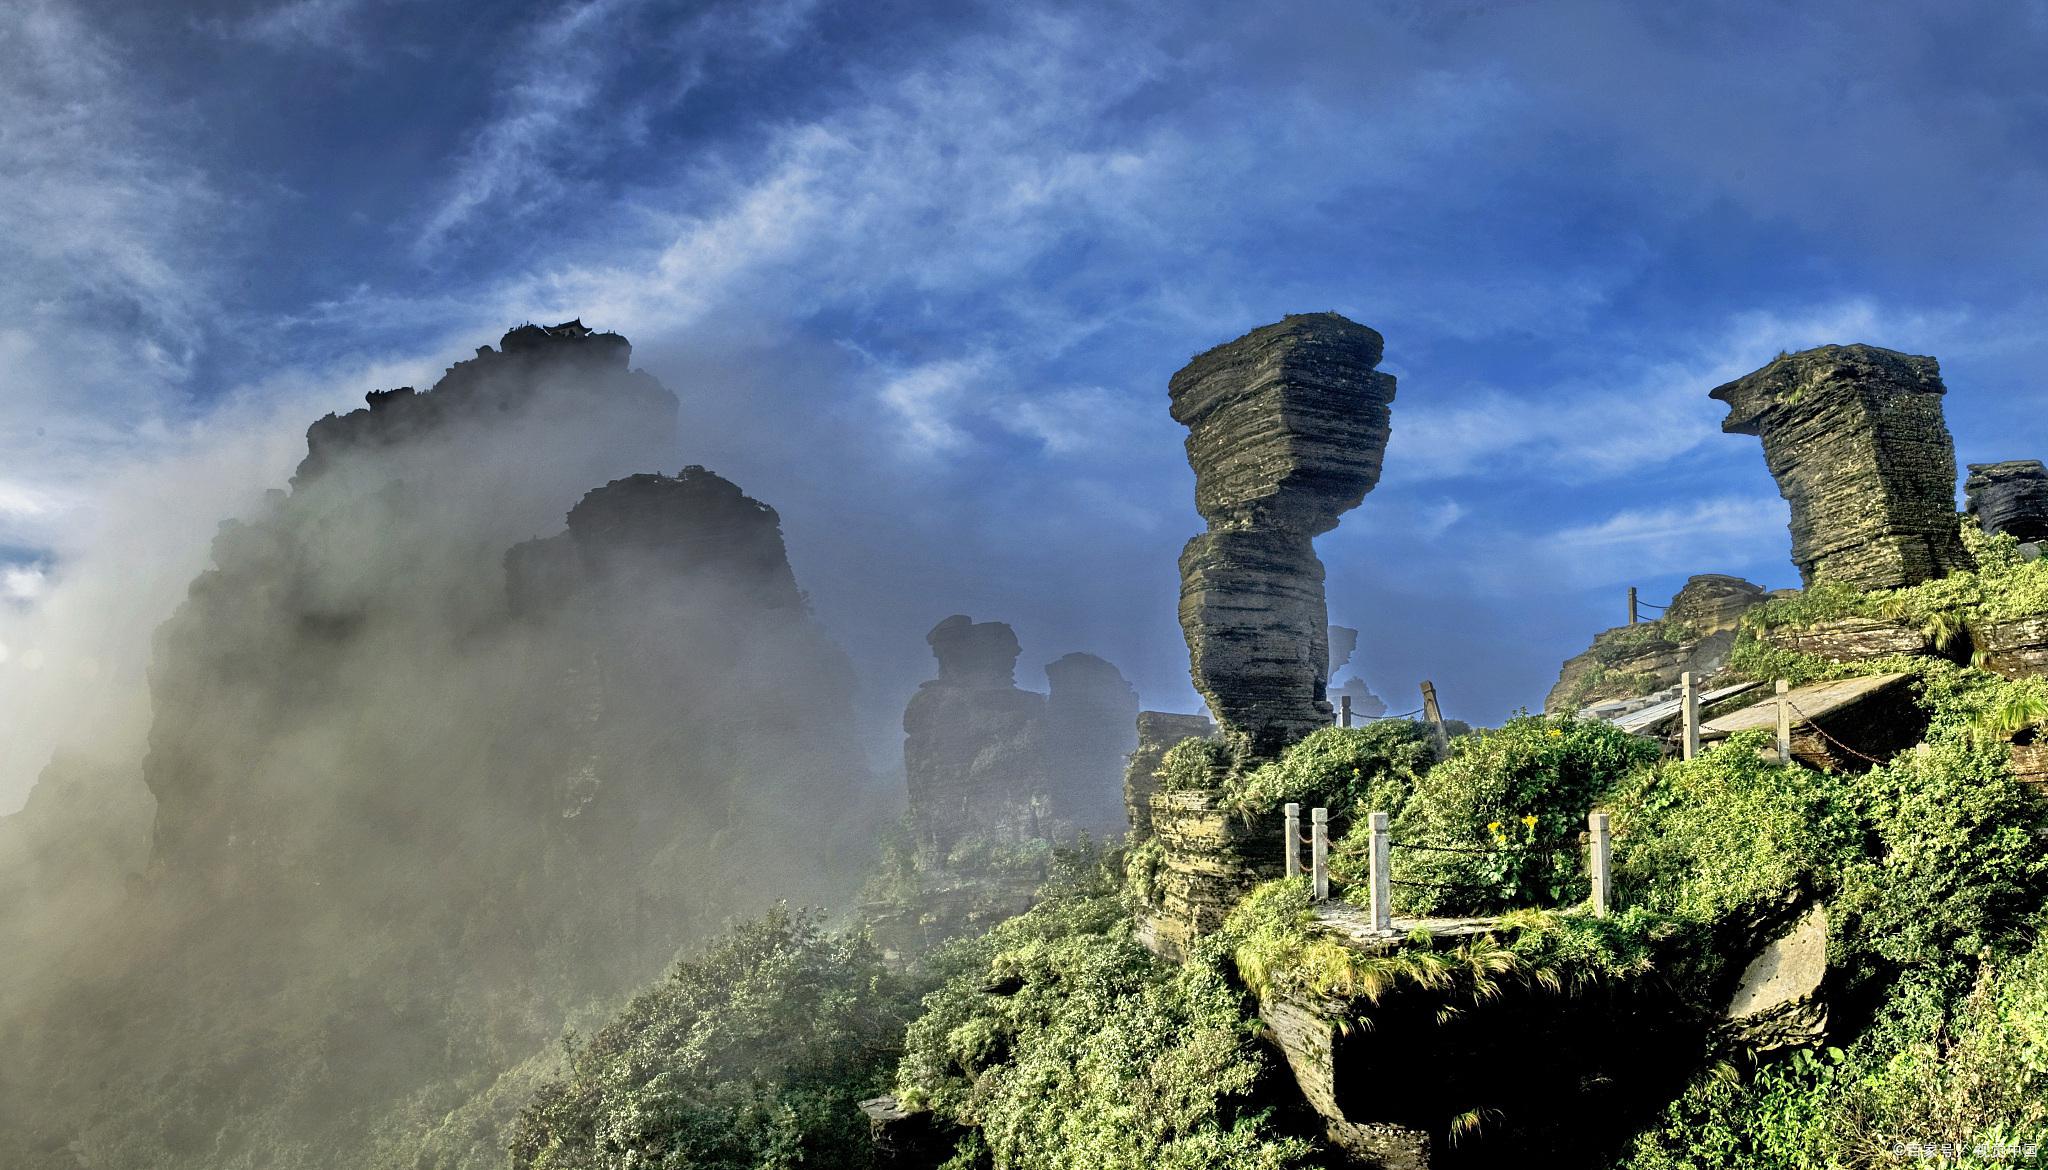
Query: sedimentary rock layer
x,y
1157,732
1286,429
1855,437
2010,498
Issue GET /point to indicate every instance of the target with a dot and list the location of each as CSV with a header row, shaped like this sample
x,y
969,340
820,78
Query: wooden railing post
x,y
1599,862
1690,702
1293,812
1631,605
1344,711
1319,852
1784,723
1382,875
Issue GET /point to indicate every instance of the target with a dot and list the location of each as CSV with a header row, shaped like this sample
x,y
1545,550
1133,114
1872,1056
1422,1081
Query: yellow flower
x,y
1530,820
1556,734
1493,826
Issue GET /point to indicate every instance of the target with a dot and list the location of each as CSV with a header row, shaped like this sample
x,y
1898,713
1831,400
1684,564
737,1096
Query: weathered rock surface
x,y
1211,858
1853,639
1855,437
1307,1039
1090,716
1777,1004
1695,635
2010,498
1158,731
1287,426
2015,649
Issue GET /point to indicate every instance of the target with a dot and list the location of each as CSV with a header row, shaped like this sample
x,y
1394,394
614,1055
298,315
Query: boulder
x,y
2015,648
1777,1003
1853,639
1855,437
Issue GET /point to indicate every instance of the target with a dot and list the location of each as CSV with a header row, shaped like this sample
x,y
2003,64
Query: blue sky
x,y
920,273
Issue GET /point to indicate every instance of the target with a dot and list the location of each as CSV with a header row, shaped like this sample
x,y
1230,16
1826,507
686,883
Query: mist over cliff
x,y
466,731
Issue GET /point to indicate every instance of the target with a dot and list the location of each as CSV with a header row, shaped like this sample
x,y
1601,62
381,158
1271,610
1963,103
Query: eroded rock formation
x,y
1855,437
1286,429
2010,497
1158,731
1644,660
988,761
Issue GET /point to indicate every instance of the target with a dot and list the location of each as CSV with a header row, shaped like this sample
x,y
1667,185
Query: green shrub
x,y
752,1056
1069,1047
1344,769
1191,765
1517,799
1729,831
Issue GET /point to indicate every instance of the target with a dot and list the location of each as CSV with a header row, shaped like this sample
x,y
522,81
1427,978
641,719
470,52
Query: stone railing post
x,y
1382,875
1689,701
1599,863
1319,852
1293,846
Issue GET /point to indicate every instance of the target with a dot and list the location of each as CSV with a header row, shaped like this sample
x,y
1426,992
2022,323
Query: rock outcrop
x,y
406,756
1287,426
1090,716
1158,731
1856,440
2010,498
1778,1004
1695,635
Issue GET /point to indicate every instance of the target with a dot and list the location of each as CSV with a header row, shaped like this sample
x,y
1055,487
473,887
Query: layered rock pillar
x,y
1855,437
1287,426
2010,498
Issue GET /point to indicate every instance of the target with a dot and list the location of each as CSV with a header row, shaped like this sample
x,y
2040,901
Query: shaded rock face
x,y
1778,1003
1158,731
1856,440
1090,715
2010,498
1287,426
1695,635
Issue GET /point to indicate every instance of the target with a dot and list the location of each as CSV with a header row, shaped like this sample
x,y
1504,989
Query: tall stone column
x,y
1855,437
1286,429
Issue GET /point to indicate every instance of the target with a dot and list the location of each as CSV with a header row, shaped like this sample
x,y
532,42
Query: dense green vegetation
x,y
1514,800
753,1055
1056,1042
1067,1045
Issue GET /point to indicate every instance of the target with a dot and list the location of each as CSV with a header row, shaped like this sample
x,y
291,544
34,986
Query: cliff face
x,y
1854,435
1286,429
428,778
